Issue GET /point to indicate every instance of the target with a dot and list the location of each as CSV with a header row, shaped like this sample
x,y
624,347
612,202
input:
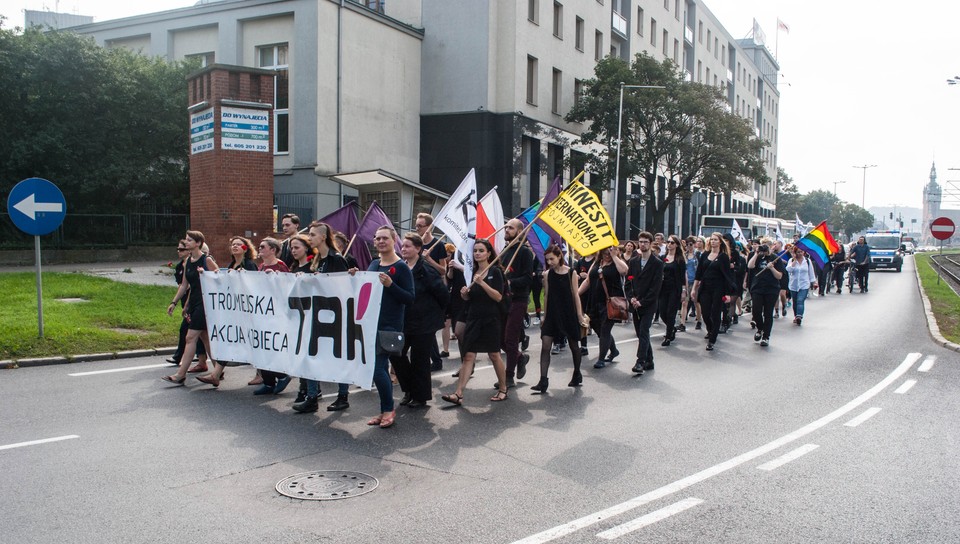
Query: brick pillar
x,y
231,178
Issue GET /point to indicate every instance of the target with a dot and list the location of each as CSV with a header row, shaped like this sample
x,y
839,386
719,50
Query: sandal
x,y
387,419
209,380
174,380
197,368
500,396
375,420
453,398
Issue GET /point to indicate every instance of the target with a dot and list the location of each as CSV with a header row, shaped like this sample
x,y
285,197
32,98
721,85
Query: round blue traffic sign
x,y
36,206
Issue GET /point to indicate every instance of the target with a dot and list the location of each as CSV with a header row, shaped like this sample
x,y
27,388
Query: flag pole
x,y
352,238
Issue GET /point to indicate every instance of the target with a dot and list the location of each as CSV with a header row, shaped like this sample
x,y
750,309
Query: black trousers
x,y
641,325
711,306
669,305
412,367
763,312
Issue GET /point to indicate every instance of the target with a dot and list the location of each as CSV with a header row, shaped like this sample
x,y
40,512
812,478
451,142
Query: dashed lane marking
x,y
649,519
683,483
905,387
867,414
927,364
792,456
38,442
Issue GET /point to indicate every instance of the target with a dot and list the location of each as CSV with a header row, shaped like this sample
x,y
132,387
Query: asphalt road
x,y
818,438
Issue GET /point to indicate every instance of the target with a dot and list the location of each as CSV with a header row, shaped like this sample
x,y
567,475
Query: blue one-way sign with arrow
x,y
36,206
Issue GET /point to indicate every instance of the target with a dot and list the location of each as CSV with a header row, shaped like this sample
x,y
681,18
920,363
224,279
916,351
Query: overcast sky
x,y
860,84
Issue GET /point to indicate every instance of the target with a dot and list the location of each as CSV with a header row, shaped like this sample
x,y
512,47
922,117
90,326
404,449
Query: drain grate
x,y
326,485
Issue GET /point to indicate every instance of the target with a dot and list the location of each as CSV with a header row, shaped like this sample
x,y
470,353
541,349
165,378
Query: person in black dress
x,y
195,263
714,283
562,315
673,287
484,321
610,267
184,324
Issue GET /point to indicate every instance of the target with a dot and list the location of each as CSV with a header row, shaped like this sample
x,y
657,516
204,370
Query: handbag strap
x,y
603,282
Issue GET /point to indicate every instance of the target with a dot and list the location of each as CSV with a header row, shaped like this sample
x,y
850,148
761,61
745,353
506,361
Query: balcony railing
x,y
619,23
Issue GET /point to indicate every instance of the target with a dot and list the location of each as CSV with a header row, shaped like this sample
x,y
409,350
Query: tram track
x,y
949,269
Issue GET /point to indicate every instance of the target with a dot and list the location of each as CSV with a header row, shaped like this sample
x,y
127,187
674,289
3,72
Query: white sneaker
x,y
536,321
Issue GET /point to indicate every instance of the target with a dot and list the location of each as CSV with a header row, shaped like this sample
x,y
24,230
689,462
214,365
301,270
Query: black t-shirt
x,y
481,305
436,250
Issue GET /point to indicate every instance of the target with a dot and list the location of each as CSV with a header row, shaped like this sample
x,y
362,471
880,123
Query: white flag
x,y
490,220
458,220
779,235
801,230
737,233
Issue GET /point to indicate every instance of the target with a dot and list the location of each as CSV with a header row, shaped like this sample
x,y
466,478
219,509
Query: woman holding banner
x,y
242,254
196,262
398,293
327,260
484,321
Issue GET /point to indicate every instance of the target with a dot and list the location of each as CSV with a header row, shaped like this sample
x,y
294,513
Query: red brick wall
x,y
231,192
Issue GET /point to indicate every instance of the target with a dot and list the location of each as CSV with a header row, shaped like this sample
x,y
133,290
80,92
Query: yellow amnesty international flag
x,y
578,216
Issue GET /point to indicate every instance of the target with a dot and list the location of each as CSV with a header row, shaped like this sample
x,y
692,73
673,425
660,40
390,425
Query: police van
x,y
885,248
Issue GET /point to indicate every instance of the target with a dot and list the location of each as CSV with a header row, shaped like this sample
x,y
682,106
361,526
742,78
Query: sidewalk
x,y
144,273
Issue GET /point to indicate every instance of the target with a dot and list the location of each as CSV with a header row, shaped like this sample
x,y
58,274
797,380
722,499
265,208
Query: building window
x,y
577,90
699,71
666,42
598,46
640,21
557,91
676,51
206,59
708,75
558,20
533,11
676,9
723,55
709,38
653,32
579,38
716,47
700,32
275,57
532,80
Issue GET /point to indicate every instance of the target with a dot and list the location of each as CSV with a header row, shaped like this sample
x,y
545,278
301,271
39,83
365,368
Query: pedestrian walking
x,y
713,284
764,271
563,316
645,281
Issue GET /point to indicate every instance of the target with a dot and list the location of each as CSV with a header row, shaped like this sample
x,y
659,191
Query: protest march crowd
x,y
477,288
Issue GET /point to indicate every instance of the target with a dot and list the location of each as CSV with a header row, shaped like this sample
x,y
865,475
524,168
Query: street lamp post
x,y
835,183
863,198
616,178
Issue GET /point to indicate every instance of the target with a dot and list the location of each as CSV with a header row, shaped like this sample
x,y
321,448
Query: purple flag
x,y
373,220
540,235
344,219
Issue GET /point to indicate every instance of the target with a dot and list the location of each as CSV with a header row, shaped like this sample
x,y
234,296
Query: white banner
x,y
458,220
317,326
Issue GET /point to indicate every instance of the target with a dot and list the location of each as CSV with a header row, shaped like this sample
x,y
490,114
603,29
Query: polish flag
x,y
490,220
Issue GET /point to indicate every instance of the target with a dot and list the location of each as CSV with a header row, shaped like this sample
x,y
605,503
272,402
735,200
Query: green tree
x,y
788,196
816,206
109,127
850,218
682,134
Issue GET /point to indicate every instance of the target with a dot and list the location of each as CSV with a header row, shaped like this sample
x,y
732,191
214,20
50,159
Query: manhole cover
x,y
326,485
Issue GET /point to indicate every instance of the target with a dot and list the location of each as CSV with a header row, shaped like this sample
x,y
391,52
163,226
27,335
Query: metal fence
x,y
82,231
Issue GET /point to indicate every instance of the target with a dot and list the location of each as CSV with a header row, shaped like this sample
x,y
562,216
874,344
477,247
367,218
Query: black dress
x,y
561,317
598,297
196,317
484,320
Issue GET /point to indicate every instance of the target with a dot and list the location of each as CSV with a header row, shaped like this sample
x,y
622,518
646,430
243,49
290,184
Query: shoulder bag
x,y
616,306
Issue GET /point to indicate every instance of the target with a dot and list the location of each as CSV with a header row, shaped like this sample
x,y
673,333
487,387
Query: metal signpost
x,y
37,207
942,228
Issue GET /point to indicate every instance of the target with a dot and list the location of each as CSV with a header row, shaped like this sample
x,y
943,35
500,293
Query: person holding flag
x,y
518,258
764,273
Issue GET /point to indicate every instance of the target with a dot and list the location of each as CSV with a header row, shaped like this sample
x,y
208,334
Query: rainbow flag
x,y
819,244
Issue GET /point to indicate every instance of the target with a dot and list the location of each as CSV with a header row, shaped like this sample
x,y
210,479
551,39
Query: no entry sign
x,y
942,228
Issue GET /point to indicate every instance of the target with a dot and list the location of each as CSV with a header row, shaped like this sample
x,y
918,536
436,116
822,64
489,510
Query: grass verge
x,y
82,327
944,302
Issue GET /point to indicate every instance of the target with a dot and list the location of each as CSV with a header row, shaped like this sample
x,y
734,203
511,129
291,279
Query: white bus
x,y
753,226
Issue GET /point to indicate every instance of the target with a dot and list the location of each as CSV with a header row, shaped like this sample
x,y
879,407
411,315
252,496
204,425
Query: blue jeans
x,y
798,298
381,377
313,388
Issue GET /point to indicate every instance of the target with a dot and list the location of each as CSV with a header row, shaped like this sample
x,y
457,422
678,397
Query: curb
x,y
932,327
11,364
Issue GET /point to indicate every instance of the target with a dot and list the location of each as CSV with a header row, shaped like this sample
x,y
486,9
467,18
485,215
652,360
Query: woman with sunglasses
x,y
184,324
713,284
673,287
194,264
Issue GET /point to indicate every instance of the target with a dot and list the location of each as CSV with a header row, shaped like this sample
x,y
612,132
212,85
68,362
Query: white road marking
x,y
905,387
683,483
649,519
36,442
125,369
792,456
867,414
927,364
